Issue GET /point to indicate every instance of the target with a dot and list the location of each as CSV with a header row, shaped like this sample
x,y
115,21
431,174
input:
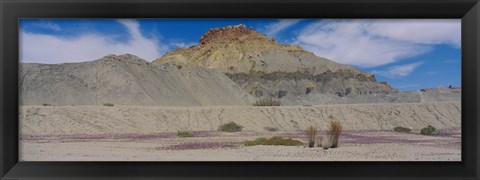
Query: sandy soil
x,y
148,133
221,146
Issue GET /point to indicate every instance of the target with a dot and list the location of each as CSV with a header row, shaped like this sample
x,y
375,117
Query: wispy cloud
x,y
399,71
47,25
429,31
43,48
273,29
370,43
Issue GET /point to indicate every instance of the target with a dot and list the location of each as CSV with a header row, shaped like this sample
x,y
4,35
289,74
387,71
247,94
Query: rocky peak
x,y
229,33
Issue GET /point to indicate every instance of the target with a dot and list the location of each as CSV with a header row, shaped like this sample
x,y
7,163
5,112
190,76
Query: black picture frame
x,y
12,10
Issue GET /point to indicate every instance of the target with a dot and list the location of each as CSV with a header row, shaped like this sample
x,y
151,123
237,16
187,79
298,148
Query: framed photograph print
x,y
243,89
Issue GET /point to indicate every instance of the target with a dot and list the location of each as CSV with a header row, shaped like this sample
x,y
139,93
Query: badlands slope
x,y
71,120
263,67
127,80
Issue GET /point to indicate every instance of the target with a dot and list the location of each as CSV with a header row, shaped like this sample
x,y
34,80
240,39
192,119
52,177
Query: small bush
x,y
311,134
184,134
258,141
427,130
45,104
230,127
271,129
402,129
334,132
267,102
274,141
108,104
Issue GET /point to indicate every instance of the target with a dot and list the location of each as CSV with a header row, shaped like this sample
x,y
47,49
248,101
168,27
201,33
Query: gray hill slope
x,y
127,80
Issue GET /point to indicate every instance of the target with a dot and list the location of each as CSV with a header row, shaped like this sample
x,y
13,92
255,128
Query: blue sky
x,y
408,54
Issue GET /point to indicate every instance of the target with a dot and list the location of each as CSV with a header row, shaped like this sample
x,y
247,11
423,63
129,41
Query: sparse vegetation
x,y
274,141
428,130
184,134
402,129
268,101
334,132
271,129
230,127
45,104
311,135
108,104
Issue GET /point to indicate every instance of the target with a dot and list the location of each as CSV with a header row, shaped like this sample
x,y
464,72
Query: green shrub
x,y
402,129
274,141
271,129
267,102
258,141
427,130
184,134
107,104
230,127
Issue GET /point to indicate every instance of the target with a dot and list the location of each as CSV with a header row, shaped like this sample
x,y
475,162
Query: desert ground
x,y
220,146
149,133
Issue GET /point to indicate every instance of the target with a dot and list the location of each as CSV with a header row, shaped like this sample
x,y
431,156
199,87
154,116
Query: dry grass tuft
x,y
311,135
334,132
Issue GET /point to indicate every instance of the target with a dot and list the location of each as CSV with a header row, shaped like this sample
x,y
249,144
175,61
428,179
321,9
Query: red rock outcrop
x,y
226,33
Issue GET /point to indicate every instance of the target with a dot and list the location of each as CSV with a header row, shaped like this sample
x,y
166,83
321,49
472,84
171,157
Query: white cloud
x,y
43,48
399,71
431,31
370,43
273,29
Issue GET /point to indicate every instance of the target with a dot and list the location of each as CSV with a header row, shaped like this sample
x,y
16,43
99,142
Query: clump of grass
x,y
108,104
311,135
274,141
428,130
184,134
45,104
267,102
271,129
334,132
402,129
230,127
